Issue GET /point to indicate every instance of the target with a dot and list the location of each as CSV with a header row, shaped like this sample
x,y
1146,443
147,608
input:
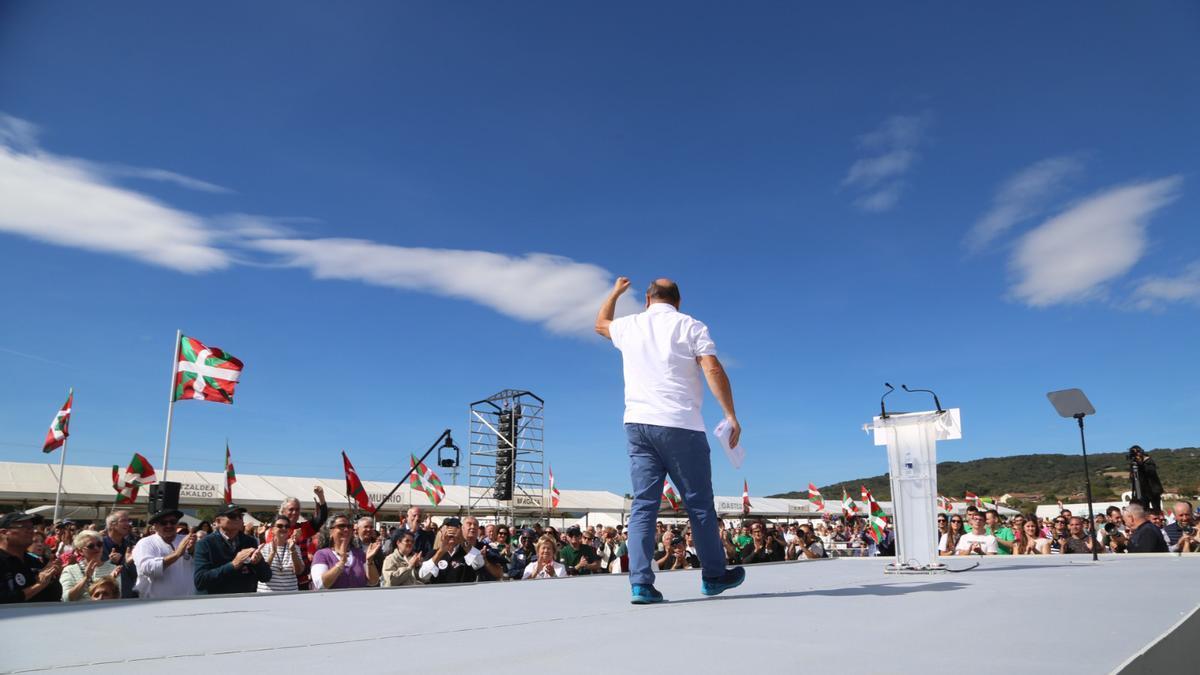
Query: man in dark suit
x,y
228,560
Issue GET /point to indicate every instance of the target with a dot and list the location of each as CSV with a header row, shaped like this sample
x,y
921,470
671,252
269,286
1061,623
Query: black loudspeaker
x,y
164,497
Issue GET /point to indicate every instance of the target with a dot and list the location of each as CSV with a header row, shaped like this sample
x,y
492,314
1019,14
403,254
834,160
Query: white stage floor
x,y
1067,614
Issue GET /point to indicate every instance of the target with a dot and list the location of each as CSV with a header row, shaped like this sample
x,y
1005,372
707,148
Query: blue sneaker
x,y
731,579
645,594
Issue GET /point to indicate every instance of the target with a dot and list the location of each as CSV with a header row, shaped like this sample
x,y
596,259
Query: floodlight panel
x,y
1071,402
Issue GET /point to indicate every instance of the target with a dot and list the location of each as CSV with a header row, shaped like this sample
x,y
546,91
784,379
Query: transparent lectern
x,y
911,440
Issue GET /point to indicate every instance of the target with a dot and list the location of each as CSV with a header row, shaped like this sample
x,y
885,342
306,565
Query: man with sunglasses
x,y
20,579
229,561
523,554
164,559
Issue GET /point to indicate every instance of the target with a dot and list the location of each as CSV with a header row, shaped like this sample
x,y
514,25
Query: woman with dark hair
x,y
284,557
342,564
950,539
1031,541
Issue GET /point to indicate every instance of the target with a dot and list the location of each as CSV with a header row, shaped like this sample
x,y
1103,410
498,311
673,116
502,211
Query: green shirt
x,y
1003,534
741,540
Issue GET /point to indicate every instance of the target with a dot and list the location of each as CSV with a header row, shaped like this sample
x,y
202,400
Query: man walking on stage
x,y
664,353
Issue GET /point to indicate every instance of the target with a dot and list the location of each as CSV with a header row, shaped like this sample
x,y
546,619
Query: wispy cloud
x,y
892,150
60,201
70,201
1022,197
161,175
1156,291
559,293
1071,256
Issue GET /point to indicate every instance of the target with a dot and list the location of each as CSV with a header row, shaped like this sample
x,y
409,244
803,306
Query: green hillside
x,y
1037,479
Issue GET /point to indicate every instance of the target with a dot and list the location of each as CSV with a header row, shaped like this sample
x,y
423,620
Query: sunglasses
x,y
956,520
168,523
92,546
340,526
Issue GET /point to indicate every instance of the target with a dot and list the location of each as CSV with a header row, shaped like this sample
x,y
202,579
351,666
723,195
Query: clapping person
x,y
229,561
283,555
545,566
118,543
401,565
78,577
977,541
676,557
1031,541
164,559
309,528
342,564
761,548
523,554
451,562
491,569
578,556
1077,541
20,581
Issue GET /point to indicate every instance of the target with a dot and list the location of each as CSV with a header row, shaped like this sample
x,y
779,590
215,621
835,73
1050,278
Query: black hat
x,y
527,532
231,510
676,540
452,522
165,513
574,531
10,519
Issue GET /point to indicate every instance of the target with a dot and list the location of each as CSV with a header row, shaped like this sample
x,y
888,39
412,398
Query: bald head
x,y
663,290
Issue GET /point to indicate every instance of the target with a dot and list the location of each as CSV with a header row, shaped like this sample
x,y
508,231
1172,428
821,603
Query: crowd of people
x,y
1132,529
40,561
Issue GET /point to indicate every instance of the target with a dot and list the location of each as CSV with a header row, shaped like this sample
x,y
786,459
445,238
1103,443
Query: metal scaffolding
x,y
507,470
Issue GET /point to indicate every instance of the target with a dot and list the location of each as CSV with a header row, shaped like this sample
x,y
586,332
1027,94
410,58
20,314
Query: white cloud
x,y
1069,257
162,175
69,201
892,149
1022,197
60,201
1153,292
559,293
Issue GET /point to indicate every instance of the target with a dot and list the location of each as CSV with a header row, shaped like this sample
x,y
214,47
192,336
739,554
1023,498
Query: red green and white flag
x,y
945,503
230,476
354,486
553,491
58,428
971,499
139,473
205,373
670,498
427,481
877,521
849,508
745,497
815,498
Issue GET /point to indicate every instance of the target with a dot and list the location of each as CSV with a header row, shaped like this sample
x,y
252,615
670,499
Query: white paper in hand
x,y
736,455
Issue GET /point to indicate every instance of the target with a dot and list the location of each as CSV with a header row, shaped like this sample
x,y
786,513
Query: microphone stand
x,y
1088,475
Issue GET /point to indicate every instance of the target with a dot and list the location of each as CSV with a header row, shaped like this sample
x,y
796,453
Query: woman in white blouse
x,y
546,566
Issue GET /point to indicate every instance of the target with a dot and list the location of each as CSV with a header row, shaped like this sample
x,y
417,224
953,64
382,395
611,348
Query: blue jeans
x,y
654,453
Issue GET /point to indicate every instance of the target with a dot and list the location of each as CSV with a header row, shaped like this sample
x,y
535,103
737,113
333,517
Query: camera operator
x,y
1143,474
1181,534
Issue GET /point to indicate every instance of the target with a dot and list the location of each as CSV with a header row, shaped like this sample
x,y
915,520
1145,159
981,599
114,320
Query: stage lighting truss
x,y
507,470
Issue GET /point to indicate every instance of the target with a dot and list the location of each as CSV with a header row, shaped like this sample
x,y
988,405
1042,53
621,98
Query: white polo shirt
x,y
663,381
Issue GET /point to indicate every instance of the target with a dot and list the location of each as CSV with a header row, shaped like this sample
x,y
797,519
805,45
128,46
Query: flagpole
x,y
171,404
62,461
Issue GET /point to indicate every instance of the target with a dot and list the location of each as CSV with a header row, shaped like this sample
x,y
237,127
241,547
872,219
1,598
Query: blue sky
x,y
389,210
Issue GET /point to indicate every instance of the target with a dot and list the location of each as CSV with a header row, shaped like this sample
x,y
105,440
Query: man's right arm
x,y
718,382
608,308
